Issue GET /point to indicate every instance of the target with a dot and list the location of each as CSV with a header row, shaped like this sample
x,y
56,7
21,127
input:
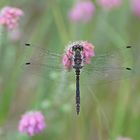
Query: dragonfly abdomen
x,y
77,91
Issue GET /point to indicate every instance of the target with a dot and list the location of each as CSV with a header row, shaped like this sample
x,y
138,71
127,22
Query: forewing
x,y
42,62
111,66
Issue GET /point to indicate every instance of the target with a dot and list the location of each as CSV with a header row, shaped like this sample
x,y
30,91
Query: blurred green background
x,y
107,111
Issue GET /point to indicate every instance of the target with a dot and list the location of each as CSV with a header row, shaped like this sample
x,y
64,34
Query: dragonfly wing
x,y
42,51
42,69
107,75
116,56
42,62
111,67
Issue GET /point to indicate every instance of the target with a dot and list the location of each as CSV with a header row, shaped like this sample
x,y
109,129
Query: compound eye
x,y
73,48
81,48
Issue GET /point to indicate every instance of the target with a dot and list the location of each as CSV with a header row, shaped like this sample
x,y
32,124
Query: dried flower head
x,y
9,16
32,123
123,138
87,53
82,11
15,35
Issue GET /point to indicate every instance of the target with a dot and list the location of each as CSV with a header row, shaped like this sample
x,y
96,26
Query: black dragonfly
x,y
100,64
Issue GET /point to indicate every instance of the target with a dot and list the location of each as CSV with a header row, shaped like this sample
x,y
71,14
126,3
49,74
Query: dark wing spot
x,y
27,44
128,46
28,63
128,69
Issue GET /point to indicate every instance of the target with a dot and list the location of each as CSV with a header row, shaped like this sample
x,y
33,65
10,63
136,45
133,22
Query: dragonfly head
x,y
77,48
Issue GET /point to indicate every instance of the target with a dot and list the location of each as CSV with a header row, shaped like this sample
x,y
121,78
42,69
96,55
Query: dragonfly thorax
x,y
77,57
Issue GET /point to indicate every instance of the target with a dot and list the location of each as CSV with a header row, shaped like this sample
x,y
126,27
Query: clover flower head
x,y
32,123
88,53
136,7
9,16
82,11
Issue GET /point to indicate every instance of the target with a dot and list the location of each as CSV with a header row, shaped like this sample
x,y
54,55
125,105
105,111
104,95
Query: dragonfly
x,y
77,56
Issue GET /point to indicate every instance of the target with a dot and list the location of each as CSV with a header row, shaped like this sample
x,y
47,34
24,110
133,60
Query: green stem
x,y
121,109
60,23
124,91
8,92
3,44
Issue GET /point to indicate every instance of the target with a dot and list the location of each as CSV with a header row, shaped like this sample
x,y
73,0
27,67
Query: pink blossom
x,y
67,60
82,11
87,53
32,123
9,16
136,7
109,4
